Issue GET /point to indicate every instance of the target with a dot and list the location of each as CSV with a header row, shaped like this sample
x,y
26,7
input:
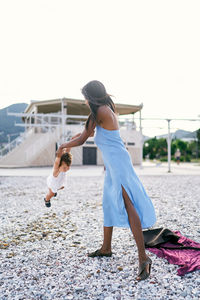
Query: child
x,y
56,180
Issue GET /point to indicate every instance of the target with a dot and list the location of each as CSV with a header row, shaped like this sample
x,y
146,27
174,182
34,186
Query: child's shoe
x,y
47,203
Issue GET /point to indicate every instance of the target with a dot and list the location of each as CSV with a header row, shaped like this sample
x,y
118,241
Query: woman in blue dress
x,y
125,201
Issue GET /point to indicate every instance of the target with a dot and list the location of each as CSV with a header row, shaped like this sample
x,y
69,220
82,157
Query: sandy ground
x,y
44,251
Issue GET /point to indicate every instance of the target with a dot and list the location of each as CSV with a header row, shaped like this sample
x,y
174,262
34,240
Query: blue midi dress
x,y
120,172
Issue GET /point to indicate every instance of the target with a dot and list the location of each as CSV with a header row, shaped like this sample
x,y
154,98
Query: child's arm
x,y
57,162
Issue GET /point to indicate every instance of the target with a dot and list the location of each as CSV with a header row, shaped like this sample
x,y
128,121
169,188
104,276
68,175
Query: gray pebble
x,y
55,265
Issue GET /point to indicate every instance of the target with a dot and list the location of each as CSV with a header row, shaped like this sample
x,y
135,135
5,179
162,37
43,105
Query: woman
x,y
125,202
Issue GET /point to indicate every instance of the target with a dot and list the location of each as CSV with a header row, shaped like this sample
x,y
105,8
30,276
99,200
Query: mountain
x,y
178,134
183,134
7,123
191,135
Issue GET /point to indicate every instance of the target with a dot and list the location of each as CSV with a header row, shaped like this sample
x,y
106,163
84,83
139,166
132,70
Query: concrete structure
x,y
49,123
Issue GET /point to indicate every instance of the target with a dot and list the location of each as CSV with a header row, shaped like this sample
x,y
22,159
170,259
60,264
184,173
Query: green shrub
x,y
187,158
163,159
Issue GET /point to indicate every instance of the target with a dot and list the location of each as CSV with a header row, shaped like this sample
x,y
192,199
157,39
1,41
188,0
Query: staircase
x,y
37,149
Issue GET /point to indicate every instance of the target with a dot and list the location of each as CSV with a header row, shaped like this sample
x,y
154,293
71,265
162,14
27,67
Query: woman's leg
x,y
107,237
136,229
106,247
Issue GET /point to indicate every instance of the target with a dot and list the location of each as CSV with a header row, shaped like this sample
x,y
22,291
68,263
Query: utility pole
x,y
169,146
169,135
142,141
63,119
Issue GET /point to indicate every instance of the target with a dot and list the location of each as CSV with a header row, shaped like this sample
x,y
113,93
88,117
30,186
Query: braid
x,y
96,94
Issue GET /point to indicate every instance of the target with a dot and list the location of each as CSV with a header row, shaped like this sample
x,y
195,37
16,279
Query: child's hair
x,y
66,158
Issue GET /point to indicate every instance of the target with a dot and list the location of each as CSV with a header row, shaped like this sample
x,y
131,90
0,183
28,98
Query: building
x,y
48,123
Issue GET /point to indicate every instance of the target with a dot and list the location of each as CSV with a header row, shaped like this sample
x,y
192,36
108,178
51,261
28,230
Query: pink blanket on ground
x,y
188,259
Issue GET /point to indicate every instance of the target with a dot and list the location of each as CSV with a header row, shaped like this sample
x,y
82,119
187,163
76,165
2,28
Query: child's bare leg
x,y
49,195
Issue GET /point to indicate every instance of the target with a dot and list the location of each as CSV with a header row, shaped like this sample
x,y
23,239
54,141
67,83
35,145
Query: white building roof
x,y
75,107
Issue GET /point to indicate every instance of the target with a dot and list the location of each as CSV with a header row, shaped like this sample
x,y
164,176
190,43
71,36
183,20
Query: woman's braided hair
x,y
95,92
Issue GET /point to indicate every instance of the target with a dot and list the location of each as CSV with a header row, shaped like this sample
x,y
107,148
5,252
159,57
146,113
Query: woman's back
x,y
106,118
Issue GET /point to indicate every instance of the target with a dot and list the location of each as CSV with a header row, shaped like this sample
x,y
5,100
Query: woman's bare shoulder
x,y
102,114
104,110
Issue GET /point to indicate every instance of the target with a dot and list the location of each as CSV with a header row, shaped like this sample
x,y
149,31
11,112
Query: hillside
x,y
180,134
7,123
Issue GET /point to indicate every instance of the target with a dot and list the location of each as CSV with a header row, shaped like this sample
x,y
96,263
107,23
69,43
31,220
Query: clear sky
x,y
143,51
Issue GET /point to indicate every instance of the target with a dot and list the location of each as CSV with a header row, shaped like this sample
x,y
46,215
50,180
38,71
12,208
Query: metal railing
x,y
13,144
68,133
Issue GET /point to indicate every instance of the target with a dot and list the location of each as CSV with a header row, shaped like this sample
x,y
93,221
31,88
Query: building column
x,y
49,122
36,130
142,142
64,117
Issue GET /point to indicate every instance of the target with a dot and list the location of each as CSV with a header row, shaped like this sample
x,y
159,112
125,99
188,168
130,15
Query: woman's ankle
x,y
142,257
105,249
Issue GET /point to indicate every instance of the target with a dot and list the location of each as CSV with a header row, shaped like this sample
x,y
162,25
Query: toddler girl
x,y
57,178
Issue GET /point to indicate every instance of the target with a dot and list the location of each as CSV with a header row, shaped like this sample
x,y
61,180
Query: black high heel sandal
x,y
98,253
143,274
47,203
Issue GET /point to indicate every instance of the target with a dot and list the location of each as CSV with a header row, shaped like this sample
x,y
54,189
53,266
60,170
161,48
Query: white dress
x,y
55,183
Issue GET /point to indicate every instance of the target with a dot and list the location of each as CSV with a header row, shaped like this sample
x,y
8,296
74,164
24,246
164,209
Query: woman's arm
x,y
69,149
75,136
81,137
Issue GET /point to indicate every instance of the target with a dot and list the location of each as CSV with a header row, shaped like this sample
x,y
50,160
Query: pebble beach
x,y
43,251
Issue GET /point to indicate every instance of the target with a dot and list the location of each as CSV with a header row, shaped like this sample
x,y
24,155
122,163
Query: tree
x,y
198,142
155,148
181,145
